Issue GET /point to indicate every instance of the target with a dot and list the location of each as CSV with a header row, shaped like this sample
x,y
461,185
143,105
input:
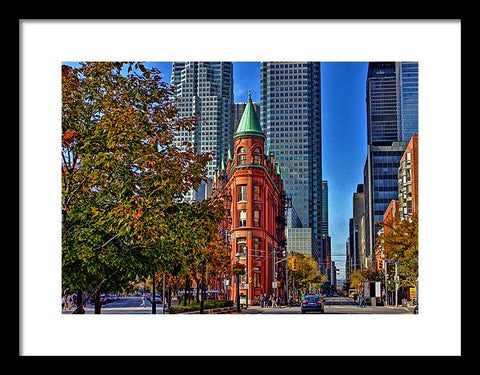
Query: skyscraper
x,y
205,89
392,117
382,126
291,119
325,208
407,76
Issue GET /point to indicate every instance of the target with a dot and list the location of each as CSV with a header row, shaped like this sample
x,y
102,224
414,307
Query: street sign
x,y
413,293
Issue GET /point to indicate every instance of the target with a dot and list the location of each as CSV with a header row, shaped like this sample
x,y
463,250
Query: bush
x,y
209,304
215,303
179,309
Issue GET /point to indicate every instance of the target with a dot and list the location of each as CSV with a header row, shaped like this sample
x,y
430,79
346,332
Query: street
x,y
333,305
124,305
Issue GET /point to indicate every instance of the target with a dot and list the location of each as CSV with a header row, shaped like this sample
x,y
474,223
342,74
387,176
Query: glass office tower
x,y
407,76
205,89
382,123
291,119
325,207
392,117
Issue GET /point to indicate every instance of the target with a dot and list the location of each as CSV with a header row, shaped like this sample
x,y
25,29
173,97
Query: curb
x,y
218,310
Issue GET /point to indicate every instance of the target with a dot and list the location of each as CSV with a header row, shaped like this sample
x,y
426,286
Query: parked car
x,y
312,302
108,298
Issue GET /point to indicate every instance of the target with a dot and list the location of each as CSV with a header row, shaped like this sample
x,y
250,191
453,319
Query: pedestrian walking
x,y
69,302
274,301
262,301
362,300
144,300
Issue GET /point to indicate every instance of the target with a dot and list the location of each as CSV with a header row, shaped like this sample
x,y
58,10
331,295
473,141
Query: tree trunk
x,y
98,303
203,294
154,303
79,309
197,292
185,295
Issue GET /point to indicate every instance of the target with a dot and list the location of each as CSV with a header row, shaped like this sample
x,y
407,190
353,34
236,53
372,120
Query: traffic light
x,y
294,264
379,265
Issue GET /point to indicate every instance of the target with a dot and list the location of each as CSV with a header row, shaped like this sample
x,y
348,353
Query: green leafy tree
x,y
358,277
193,241
399,242
307,276
121,173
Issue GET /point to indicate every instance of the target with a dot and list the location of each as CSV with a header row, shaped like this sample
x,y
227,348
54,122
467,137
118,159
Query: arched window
x,y
241,156
257,156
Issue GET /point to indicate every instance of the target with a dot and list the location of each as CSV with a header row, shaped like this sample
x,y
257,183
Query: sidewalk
x,y
260,310
119,310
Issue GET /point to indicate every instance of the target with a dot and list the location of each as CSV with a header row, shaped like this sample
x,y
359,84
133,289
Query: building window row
x,y
242,218
242,156
242,193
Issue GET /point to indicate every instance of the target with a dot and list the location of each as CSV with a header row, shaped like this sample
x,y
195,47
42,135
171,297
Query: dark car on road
x,y
312,302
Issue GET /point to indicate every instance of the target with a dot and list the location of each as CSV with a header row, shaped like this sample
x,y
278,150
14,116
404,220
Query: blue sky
x,y
344,134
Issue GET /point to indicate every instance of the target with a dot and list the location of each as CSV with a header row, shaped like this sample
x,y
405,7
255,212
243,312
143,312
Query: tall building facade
x,y
324,208
392,118
407,77
382,126
256,208
356,244
291,119
205,89
408,180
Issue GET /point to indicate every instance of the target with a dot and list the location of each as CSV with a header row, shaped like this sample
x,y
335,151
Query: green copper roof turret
x,y
249,125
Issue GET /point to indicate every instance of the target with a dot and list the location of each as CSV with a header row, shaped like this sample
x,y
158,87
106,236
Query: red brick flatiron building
x,y
251,187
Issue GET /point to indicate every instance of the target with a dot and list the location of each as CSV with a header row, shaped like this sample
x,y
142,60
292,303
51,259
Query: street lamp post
x,y
202,290
154,302
396,283
237,272
237,280
247,285
275,286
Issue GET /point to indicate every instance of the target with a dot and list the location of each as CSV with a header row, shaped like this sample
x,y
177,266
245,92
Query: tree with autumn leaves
x,y
399,241
307,277
123,181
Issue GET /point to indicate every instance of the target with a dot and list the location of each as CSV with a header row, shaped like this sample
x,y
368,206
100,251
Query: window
x,y
241,245
242,218
256,193
241,156
257,156
256,218
242,193
257,247
256,278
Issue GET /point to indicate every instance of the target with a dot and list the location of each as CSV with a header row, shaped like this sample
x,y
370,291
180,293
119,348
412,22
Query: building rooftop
x,y
249,125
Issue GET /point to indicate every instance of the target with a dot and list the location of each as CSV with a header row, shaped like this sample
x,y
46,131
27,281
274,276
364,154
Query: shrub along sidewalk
x,y
210,307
